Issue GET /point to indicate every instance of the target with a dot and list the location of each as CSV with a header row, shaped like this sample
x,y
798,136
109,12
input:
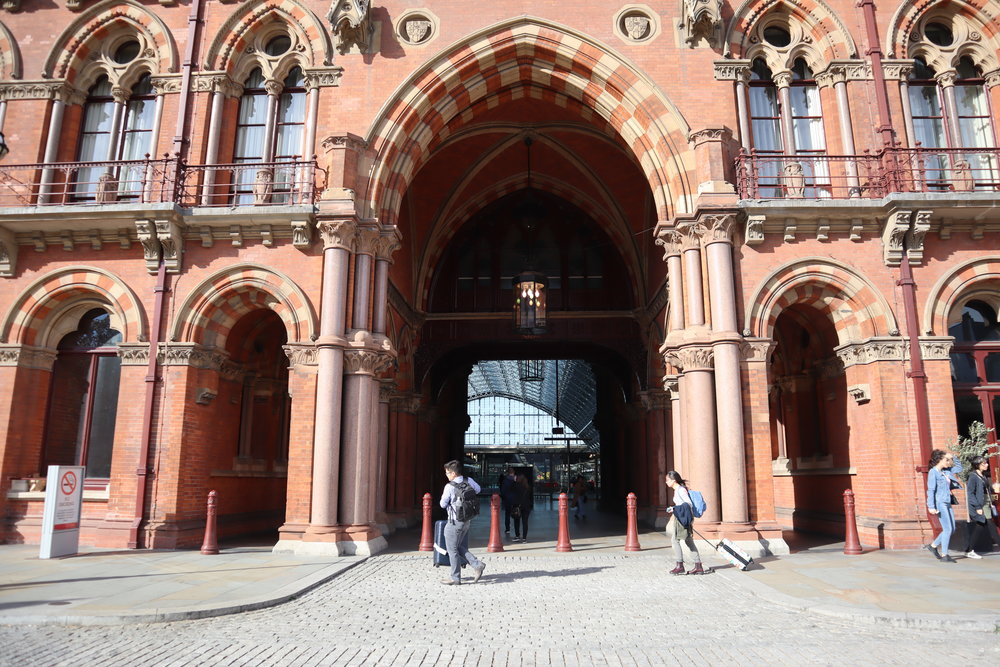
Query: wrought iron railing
x,y
166,180
871,175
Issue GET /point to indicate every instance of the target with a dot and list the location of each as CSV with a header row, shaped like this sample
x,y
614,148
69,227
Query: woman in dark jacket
x,y
977,494
525,502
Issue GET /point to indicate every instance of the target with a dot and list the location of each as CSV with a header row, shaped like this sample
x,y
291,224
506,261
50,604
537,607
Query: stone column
x,y
338,240
388,243
947,82
672,385
993,90
60,99
215,120
702,453
273,89
837,77
671,241
742,107
783,80
717,234
382,468
657,403
694,297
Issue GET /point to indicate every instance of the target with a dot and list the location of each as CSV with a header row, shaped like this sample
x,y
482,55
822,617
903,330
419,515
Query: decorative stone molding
x,y
655,400
388,243
408,403
27,356
754,231
701,20
871,351
301,355
636,24
236,236
732,70
696,359
861,393
301,233
171,239
8,253
690,237
934,348
417,27
12,6
915,241
204,396
190,354
146,231
337,234
671,387
716,228
231,371
670,239
366,241
351,25
322,77
894,236
133,354
40,90
757,350
366,362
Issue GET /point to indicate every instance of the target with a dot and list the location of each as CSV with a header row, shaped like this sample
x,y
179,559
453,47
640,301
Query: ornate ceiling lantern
x,y
529,285
531,370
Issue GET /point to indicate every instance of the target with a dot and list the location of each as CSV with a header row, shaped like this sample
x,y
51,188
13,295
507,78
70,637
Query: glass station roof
x,y
563,388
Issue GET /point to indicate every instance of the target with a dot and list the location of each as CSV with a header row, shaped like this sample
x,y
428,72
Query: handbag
x,y
515,511
954,500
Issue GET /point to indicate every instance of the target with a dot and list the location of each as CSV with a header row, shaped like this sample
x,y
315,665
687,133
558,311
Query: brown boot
x,y
697,569
679,569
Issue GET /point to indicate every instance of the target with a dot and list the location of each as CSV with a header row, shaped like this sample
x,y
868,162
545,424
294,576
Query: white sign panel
x,y
61,516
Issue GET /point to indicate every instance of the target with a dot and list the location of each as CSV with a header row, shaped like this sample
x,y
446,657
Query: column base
x,y
756,540
361,540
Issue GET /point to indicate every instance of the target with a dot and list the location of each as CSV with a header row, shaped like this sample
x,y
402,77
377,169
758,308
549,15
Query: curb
x,y
896,619
284,594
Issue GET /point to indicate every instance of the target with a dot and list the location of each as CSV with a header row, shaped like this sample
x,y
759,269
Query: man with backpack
x,y
460,499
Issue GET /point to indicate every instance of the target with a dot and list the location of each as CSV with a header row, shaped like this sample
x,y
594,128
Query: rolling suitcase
x,y
728,550
440,551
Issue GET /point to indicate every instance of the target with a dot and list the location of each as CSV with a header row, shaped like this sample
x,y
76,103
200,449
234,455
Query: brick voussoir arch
x,y
825,285
517,51
70,51
11,66
984,14
950,287
823,26
39,304
214,306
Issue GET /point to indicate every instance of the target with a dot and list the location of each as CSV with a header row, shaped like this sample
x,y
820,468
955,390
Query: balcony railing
x,y
897,169
166,180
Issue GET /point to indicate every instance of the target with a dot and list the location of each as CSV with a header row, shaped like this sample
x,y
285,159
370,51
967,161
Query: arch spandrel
x,y
562,60
829,38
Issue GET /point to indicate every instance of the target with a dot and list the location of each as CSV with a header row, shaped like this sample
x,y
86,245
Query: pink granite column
x,y
671,241
701,453
694,297
717,234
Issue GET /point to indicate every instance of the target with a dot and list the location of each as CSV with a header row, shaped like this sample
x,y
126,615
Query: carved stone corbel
x,y
915,240
301,233
151,249
172,242
894,236
701,19
351,25
8,253
754,232
12,6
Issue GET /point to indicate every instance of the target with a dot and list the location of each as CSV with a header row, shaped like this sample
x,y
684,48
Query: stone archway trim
x,y
825,26
949,287
29,314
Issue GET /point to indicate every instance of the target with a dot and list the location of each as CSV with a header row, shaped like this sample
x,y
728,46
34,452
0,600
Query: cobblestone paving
x,y
565,609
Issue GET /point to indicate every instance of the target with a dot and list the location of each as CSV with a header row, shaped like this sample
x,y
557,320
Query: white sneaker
x,y
972,554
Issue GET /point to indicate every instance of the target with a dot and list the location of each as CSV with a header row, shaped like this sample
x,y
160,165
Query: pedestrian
x,y
680,526
525,502
580,497
506,498
980,502
456,529
940,481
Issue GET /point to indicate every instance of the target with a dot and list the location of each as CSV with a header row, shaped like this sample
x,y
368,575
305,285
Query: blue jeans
x,y
947,518
454,536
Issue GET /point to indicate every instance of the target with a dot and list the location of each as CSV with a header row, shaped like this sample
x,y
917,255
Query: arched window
x,y
137,136
765,127
975,128
975,365
290,131
929,128
95,137
83,401
807,127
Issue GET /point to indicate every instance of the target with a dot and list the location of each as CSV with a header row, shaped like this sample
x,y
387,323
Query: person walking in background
x,y
680,525
980,502
940,481
507,498
580,497
455,531
524,503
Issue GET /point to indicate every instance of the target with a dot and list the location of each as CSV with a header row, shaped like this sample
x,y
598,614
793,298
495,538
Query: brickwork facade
x,y
276,198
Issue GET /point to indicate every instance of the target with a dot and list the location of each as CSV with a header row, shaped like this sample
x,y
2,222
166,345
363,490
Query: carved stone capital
x,y
301,355
732,70
366,241
171,239
323,77
992,78
146,231
134,354
190,354
717,228
690,237
386,391
754,231
388,244
757,350
27,356
366,362
274,88
710,134
337,234
894,235
782,79
871,351
671,241
946,78
672,387
8,253
696,359
655,400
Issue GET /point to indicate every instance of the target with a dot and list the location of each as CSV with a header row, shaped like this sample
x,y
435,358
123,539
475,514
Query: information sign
x,y
61,516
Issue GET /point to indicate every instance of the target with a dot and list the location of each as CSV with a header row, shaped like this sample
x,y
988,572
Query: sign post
x,y
61,516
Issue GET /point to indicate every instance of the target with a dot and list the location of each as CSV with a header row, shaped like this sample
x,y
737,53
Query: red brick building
x,y
311,213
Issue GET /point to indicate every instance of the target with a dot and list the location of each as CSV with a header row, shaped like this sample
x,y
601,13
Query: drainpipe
x,y
875,52
142,469
916,372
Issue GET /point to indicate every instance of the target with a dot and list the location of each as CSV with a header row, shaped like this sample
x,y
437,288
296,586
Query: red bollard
x,y
631,530
210,545
427,535
496,542
852,546
562,544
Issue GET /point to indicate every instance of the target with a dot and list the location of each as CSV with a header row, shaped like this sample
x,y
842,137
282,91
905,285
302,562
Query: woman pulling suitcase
x,y
679,527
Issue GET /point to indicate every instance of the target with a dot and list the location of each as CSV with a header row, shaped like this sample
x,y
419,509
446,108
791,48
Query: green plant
x,y
968,447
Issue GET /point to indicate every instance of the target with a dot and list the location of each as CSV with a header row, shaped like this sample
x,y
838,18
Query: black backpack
x,y
465,502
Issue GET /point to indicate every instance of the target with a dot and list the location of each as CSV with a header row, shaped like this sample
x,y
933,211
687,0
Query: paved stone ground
x,y
603,608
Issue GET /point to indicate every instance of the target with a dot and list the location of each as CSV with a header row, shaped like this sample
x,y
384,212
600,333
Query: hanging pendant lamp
x,y
529,285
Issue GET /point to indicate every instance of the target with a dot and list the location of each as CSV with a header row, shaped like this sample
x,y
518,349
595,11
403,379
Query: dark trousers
x,y
975,531
506,519
521,523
